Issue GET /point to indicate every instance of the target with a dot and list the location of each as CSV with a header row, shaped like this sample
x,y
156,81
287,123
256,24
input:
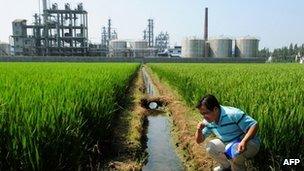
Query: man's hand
x,y
242,146
198,134
250,133
200,126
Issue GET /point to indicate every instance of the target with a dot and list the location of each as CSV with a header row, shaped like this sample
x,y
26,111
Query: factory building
x,y
55,32
64,32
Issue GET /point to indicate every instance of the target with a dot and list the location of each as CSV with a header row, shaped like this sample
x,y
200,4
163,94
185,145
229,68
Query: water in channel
x,y
161,151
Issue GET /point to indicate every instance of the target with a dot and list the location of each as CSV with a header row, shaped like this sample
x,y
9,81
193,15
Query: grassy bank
x,y
271,93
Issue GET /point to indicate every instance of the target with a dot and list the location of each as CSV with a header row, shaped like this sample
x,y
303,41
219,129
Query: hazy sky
x,y
275,22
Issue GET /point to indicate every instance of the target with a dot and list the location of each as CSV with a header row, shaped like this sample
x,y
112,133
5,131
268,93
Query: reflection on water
x,y
162,156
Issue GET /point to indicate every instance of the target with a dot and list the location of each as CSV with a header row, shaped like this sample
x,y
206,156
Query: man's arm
x,y
199,134
250,134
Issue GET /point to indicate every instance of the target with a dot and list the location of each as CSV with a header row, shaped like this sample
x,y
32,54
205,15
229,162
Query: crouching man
x,y
231,126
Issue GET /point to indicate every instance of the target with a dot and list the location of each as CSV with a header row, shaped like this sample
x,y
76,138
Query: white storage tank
x,y
5,49
246,47
220,47
140,44
140,48
193,48
118,48
118,44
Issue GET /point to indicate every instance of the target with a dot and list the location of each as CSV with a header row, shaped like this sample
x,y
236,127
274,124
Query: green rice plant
x,y
52,114
272,93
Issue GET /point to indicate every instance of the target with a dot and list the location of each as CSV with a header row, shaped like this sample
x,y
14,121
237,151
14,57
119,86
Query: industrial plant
x,y
64,32
55,32
220,47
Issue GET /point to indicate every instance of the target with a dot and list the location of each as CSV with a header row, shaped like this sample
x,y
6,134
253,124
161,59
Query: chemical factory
x,y
220,47
64,32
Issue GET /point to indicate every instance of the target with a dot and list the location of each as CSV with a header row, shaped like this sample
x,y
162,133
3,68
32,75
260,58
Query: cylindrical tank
x,y
140,44
118,44
140,48
246,47
220,47
5,49
193,47
118,48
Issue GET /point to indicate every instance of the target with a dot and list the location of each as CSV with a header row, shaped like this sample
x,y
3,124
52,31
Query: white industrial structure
x,y
137,49
149,33
302,60
193,48
247,47
60,32
118,48
5,49
65,32
220,47
108,34
140,48
162,42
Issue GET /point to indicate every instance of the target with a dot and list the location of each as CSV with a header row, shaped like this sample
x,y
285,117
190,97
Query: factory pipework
x,y
44,7
44,4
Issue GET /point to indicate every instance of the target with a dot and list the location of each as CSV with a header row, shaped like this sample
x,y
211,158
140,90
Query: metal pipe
x,y
109,32
44,4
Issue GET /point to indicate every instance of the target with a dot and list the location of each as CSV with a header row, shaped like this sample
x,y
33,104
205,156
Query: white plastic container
x,y
152,105
231,150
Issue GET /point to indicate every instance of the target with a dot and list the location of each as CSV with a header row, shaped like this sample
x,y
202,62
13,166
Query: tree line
x,y
284,54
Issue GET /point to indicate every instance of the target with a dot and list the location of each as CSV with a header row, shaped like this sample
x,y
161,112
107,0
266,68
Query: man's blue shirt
x,y
233,125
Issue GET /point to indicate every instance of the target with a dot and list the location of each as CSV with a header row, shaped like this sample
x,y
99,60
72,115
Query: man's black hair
x,y
210,101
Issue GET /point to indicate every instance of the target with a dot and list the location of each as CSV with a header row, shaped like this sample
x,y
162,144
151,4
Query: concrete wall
x,y
138,60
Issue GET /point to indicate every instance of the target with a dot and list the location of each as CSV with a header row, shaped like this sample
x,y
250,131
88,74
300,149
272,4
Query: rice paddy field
x,y
273,94
52,114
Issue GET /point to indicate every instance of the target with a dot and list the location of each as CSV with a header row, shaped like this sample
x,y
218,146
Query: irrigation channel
x,y
160,148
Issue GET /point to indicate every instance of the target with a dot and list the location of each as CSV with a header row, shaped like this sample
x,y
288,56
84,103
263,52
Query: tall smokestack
x,y
206,33
206,24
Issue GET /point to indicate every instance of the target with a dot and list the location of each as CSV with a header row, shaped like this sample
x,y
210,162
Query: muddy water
x,y
162,154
